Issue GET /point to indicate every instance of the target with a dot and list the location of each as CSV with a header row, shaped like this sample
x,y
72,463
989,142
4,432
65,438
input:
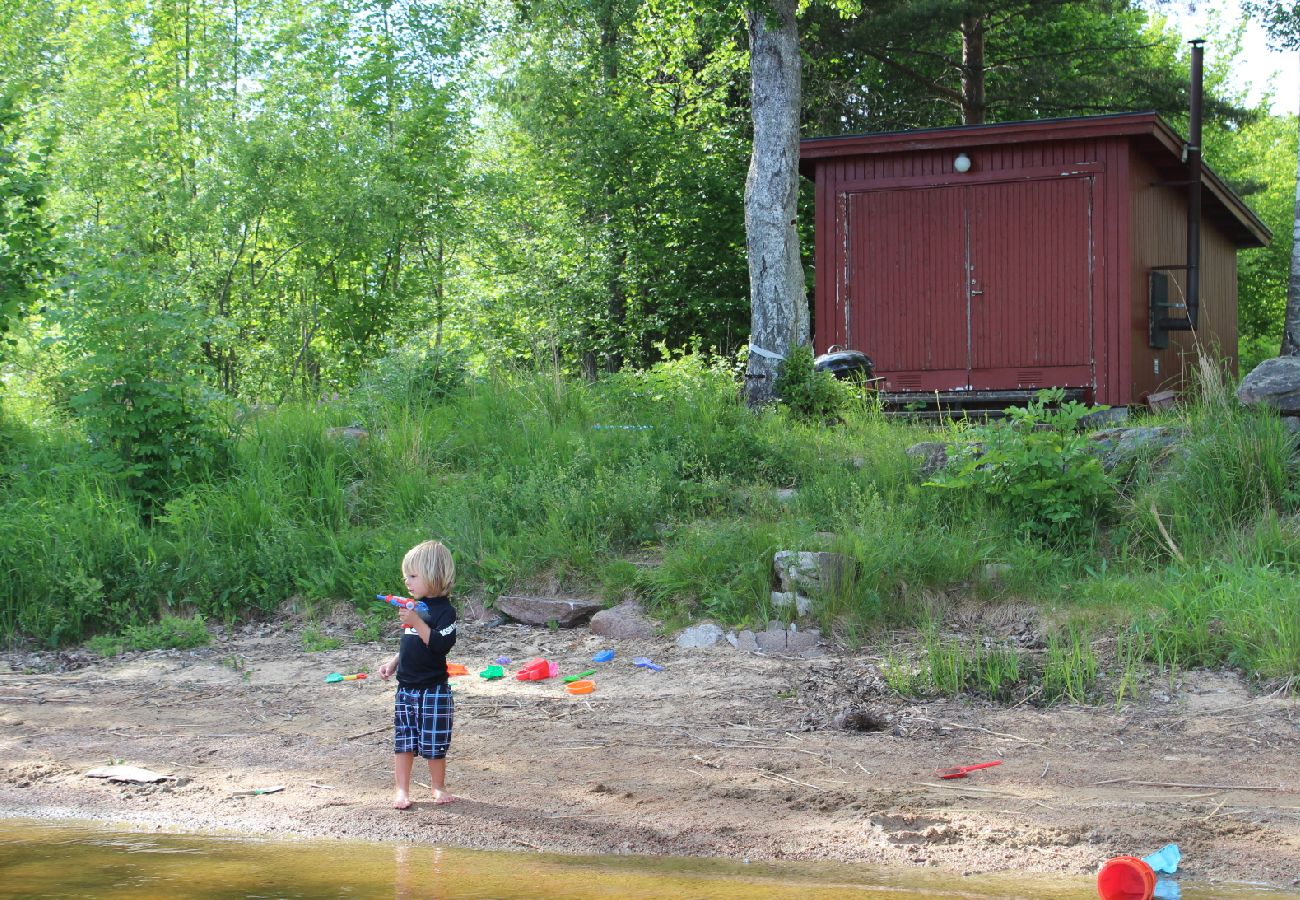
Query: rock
x,y
785,495
996,572
624,622
1101,418
472,609
771,641
133,774
1115,446
543,610
704,635
747,641
347,433
799,571
1292,424
1274,382
932,454
801,641
787,599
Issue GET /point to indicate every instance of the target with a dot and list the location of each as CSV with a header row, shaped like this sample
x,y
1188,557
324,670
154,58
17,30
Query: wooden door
x,y
1030,283
983,286
906,283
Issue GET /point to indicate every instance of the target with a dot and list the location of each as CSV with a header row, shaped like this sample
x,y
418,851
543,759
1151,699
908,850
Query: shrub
x,y
168,633
808,394
1036,467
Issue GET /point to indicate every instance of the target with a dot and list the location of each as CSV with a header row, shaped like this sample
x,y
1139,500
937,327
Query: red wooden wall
x,y
1026,271
991,279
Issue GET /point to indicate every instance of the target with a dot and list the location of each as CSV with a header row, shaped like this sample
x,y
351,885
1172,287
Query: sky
x,y
1258,65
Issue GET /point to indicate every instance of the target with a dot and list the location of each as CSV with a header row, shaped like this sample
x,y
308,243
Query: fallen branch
x,y
1208,787
352,737
1173,548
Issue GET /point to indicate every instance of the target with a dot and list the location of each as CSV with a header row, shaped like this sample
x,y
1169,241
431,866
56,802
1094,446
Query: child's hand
x,y
408,617
386,670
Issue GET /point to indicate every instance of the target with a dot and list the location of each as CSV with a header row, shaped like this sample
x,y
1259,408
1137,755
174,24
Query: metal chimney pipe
x,y
1194,184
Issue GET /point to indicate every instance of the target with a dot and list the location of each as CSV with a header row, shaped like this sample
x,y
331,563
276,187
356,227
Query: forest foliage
x,y
210,209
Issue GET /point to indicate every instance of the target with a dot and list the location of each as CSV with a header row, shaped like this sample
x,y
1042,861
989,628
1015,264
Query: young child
x,y
423,709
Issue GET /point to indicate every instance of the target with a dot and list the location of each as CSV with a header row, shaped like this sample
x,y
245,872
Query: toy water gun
x,y
403,602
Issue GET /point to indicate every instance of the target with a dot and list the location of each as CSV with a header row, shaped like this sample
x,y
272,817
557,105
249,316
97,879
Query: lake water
x,y
40,859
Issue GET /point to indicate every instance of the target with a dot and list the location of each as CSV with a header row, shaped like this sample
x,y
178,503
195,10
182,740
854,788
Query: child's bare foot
x,y
441,797
401,801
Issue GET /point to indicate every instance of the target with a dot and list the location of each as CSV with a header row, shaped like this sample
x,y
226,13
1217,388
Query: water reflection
x,y
57,861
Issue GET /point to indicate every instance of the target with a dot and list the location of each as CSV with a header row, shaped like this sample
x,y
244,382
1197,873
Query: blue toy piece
x,y
645,663
603,656
1165,860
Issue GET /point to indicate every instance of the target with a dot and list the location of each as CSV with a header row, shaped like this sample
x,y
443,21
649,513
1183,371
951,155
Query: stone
x,y
996,572
1115,446
347,433
811,573
1274,382
625,622
705,634
472,609
1111,416
790,599
747,641
785,495
932,454
801,641
544,610
771,641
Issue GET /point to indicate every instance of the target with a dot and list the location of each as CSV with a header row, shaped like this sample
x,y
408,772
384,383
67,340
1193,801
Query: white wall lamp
x,y
961,165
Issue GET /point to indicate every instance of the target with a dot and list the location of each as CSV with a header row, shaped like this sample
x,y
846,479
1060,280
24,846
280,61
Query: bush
x,y
168,633
808,394
1036,467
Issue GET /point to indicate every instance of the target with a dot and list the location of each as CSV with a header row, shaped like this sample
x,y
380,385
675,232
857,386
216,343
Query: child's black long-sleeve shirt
x,y
425,666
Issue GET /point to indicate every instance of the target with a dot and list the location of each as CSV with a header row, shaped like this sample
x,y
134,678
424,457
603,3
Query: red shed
x,y
995,259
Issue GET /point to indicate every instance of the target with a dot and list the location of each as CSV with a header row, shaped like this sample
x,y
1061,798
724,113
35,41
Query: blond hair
x,y
432,562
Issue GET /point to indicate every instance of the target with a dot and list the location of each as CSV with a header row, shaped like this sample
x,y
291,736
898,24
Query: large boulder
x,y
1274,382
1117,446
625,622
544,610
932,454
706,634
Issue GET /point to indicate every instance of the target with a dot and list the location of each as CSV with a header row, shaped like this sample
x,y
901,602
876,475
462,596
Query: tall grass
x,y
657,483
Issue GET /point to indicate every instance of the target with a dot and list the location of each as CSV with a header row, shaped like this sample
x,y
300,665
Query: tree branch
x,y
933,85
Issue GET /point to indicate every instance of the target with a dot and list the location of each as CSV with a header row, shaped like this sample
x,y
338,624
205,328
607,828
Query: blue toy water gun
x,y
403,602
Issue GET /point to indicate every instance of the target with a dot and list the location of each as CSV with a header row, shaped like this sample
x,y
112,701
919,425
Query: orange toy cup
x,y
456,669
580,687
1126,878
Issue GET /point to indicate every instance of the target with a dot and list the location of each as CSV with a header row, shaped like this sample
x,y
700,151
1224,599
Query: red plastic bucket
x,y
1126,878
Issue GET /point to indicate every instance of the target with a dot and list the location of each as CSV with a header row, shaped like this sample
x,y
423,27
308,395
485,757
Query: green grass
x,y
510,470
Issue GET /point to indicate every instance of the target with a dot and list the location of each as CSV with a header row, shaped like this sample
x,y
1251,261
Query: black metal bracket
x,y
1159,322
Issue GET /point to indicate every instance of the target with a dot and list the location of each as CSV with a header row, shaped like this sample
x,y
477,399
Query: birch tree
x,y
778,300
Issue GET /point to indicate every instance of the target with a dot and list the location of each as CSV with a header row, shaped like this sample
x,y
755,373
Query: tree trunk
x,y
778,304
973,104
1291,321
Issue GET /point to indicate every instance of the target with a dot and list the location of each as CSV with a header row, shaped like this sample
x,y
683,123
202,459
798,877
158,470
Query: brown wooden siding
x,y
1159,237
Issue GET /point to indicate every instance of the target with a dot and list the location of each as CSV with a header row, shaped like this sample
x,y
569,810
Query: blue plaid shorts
x,y
422,721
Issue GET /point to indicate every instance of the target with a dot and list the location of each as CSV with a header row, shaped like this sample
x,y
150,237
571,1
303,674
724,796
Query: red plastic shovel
x,y
960,771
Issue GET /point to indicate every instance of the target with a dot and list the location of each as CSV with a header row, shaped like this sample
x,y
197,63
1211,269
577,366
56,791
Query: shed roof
x,y
1151,134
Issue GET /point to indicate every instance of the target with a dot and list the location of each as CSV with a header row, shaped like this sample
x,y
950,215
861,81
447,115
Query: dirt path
x,y
720,754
